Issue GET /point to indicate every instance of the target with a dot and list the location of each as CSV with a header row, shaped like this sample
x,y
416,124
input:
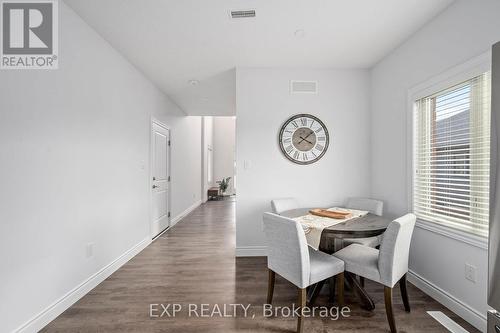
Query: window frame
x,y
453,76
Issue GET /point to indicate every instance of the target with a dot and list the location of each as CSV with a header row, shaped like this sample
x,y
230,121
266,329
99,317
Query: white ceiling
x,y
174,41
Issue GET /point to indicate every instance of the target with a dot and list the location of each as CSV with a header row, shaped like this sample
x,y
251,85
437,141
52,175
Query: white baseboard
x,y
472,316
186,212
39,321
251,251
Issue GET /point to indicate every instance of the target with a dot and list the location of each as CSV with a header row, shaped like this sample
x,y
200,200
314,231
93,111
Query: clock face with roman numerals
x,y
303,139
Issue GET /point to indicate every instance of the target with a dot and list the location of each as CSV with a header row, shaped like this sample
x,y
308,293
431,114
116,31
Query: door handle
x,y
154,186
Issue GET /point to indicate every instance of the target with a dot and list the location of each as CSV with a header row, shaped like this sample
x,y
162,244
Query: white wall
x,y
74,161
185,163
263,103
465,30
224,135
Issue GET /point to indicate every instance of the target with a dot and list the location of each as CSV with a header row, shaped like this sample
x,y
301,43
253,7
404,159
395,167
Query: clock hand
x,y
304,139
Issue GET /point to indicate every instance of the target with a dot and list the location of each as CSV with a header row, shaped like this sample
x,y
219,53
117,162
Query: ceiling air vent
x,y
303,87
242,13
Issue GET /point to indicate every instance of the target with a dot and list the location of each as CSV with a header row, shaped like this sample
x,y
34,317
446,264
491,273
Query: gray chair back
x,y
395,250
287,251
373,206
283,204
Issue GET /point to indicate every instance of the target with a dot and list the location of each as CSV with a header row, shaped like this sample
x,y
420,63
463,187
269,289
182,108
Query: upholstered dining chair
x,y
289,256
387,265
373,206
283,204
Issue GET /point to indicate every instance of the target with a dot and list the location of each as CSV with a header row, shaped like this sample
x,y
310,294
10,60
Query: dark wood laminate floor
x,y
194,263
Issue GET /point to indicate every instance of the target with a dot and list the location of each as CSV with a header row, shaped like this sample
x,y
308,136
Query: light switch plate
x,y
470,272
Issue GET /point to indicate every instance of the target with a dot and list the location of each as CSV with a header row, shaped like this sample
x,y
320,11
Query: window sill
x,y
464,237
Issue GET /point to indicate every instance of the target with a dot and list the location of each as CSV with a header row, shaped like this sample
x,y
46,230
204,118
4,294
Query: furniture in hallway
x,y
291,257
213,193
387,265
281,205
370,225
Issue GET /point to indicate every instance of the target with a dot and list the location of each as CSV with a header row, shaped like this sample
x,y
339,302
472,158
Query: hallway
x,y
194,263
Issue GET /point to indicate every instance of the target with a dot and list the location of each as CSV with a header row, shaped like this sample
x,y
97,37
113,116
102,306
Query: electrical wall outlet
x,y
470,272
89,250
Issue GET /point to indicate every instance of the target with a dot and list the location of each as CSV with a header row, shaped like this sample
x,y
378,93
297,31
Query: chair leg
x,y
388,309
302,304
340,286
270,286
331,285
404,293
362,281
315,292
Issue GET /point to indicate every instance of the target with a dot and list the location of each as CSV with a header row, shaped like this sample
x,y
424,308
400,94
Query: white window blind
x,y
452,156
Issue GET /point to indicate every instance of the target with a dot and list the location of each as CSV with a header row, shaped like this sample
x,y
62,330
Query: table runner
x,y
313,225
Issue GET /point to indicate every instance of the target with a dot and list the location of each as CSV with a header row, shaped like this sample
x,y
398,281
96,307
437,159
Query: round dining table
x,y
369,225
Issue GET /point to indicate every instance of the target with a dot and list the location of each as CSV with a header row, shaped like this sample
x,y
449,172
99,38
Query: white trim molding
x,y
185,213
474,317
452,76
462,236
40,320
251,251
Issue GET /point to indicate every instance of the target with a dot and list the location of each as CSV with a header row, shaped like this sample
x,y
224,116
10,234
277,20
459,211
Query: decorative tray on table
x,y
333,214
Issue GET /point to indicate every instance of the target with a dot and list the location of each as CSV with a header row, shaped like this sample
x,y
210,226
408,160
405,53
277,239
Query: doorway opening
x,y
219,158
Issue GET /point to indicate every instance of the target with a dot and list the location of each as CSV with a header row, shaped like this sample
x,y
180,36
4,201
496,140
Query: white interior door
x,y
160,140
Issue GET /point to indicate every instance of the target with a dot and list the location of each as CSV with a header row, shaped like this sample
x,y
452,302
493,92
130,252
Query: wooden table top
x,y
366,226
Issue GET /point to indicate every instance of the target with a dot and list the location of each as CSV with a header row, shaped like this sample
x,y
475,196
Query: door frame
x,y
155,121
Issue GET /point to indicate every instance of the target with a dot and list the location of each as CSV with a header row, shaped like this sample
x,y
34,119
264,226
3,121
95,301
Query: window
x,y
452,156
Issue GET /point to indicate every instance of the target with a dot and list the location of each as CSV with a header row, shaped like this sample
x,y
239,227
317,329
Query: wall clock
x,y
303,139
